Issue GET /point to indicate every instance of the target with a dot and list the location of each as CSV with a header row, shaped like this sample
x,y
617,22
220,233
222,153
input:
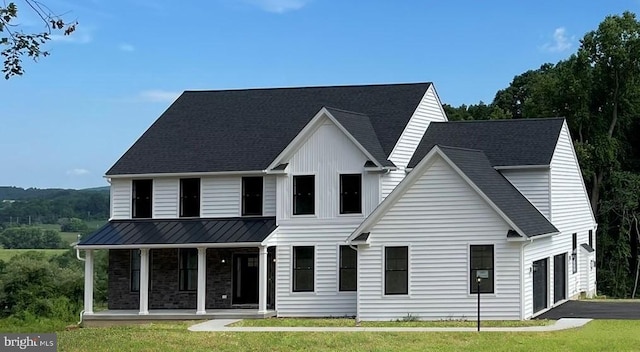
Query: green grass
x,y
69,237
602,335
6,254
343,322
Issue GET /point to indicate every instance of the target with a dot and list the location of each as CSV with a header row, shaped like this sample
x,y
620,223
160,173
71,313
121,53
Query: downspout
x,y
357,285
82,260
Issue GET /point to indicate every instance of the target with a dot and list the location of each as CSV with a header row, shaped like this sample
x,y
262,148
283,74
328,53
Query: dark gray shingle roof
x,y
359,126
504,142
239,130
179,231
476,166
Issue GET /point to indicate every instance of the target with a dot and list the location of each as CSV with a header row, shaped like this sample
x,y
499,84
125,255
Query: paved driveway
x,y
594,310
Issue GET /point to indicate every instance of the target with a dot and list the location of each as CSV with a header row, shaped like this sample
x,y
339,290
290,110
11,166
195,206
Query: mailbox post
x,y
480,274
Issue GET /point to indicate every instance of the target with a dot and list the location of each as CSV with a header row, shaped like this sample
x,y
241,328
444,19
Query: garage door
x,y
559,277
540,285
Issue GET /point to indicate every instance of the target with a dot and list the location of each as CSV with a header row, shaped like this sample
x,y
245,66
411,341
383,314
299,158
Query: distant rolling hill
x,y
18,193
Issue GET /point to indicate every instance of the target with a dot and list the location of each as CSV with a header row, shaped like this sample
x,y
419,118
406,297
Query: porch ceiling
x,y
171,232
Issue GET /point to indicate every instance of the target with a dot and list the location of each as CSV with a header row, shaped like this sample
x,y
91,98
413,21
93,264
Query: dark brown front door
x,y
245,279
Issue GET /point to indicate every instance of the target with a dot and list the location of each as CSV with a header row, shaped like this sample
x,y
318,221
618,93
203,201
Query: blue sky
x,y
73,114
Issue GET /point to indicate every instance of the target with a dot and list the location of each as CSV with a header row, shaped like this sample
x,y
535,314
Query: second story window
x,y
251,196
304,195
189,197
351,194
141,203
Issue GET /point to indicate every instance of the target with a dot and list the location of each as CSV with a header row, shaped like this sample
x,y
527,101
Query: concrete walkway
x,y
220,325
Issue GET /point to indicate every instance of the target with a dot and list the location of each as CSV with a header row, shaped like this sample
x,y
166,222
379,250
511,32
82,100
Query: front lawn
x,y
602,335
344,322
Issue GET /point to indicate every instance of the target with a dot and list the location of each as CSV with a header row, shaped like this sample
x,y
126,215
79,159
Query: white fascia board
x,y
172,245
435,93
187,174
266,241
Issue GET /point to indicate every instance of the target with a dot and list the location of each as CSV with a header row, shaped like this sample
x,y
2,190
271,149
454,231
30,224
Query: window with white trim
x,y
396,270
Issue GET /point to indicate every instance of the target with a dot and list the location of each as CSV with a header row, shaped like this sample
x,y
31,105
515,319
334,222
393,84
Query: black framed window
x,y
304,195
303,267
574,253
251,196
188,279
135,270
350,194
481,259
591,238
189,197
141,203
348,268
396,270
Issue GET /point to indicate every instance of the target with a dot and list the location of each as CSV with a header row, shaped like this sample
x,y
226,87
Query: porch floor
x,y
125,315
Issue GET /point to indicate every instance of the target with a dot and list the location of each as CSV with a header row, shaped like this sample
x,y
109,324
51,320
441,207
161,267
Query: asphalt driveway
x,y
594,310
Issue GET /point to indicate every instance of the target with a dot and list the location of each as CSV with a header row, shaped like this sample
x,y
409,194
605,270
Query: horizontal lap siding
x,y
438,218
570,213
120,199
427,111
220,196
165,198
326,300
533,184
269,196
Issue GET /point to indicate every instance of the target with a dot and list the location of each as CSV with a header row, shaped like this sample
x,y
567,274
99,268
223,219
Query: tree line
x,y
597,90
47,206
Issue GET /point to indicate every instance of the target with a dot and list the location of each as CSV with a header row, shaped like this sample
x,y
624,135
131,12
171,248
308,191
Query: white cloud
x,y
279,6
126,47
78,172
158,96
561,42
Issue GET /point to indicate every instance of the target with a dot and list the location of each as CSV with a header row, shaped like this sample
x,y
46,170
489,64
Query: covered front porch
x,y
232,275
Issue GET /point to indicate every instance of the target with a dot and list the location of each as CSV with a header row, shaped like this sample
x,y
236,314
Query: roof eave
x,y
171,245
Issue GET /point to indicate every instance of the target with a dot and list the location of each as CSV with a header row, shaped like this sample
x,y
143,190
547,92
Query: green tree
x,y
17,43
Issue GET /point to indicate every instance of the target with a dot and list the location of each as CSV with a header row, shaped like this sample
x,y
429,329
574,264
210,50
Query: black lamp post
x,y
478,290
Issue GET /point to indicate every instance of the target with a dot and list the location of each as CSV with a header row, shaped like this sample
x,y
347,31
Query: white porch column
x,y
202,281
144,281
262,282
88,282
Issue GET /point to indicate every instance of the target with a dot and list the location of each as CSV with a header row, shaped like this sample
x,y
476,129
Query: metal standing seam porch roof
x,y
181,231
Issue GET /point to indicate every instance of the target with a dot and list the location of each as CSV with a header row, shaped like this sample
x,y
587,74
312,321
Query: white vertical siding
x,y
120,198
533,184
165,198
427,111
438,217
269,196
326,154
220,196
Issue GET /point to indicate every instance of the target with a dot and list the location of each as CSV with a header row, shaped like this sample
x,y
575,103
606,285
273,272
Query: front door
x,y
559,277
245,279
539,285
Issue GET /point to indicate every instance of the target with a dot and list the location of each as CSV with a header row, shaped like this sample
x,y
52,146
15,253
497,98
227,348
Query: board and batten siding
x,y
533,184
120,198
429,109
438,218
327,153
165,198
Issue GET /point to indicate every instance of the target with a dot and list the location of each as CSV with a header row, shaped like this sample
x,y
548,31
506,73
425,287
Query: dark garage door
x,y
539,285
559,277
